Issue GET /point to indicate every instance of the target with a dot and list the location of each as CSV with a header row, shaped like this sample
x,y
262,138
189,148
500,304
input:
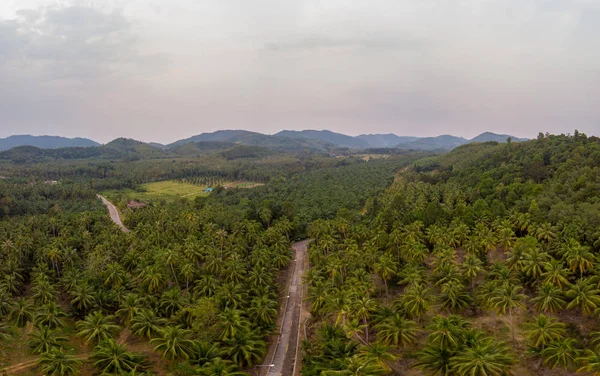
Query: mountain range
x,y
287,140
45,142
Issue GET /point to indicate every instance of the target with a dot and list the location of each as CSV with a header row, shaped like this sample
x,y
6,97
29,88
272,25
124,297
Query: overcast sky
x,y
161,70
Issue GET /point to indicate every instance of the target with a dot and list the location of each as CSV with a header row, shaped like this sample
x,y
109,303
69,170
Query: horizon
x,y
153,70
269,134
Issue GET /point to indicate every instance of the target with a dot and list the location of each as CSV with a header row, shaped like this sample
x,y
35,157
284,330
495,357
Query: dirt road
x,y
283,358
114,213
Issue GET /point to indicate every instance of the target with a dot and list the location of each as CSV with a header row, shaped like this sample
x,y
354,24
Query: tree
x,y
506,299
245,349
219,367
49,316
386,268
434,360
561,353
21,313
377,353
549,299
147,324
447,332
45,339
489,359
585,295
590,362
544,330
556,274
397,330
113,358
96,327
471,267
174,343
578,257
58,362
83,297
416,301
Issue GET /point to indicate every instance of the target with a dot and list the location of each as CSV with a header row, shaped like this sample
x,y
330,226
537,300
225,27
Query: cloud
x,y
325,42
73,43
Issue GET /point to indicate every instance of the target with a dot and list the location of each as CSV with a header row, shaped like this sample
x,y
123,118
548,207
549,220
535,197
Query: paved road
x,y
114,213
284,356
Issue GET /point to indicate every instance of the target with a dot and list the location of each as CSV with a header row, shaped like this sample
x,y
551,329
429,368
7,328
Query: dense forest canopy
x,y
481,261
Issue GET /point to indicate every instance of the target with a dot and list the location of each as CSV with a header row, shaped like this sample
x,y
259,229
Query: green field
x,y
168,190
161,190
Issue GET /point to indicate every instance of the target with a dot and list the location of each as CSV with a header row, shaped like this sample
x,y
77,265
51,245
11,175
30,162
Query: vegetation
x,y
482,261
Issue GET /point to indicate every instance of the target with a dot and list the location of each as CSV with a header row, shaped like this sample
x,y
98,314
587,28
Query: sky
x,y
162,70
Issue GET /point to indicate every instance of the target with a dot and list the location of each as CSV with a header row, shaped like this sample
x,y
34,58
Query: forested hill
x,y
482,261
552,178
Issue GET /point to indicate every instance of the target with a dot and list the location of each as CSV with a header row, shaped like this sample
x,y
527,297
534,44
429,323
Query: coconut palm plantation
x,y
482,261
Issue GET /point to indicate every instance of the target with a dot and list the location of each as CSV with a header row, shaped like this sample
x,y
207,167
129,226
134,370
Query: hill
x,y
44,142
388,140
443,142
275,142
132,149
489,136
337,139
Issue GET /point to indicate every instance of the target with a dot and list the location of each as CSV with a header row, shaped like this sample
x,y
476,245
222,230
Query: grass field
x,y
168,190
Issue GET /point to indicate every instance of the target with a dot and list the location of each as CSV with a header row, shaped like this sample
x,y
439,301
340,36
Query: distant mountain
x,y
132,149
443,142
44,142
388,140
220,136
337,139
489,136
276,142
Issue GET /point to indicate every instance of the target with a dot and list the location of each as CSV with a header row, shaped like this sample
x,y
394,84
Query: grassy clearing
x,y
169,191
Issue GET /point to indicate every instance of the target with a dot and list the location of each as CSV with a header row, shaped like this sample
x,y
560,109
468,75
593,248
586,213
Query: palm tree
x,y
113,358
397,330
219,367
96,327
128,308
264,310
21,313
45,339
549,298
434,360
355,366
533,262
362,309
6,301
544,330
578,257
447,332
454,297
486,359
556,274
174,343
170,302
49,316
561,353
377,353
585,295
83,297
471,267
386,268
416,301
147,324
506,299
245,349
590,363
57,362
230,323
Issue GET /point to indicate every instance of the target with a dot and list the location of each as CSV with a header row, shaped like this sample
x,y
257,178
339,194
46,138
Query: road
x,y
284,350
114,213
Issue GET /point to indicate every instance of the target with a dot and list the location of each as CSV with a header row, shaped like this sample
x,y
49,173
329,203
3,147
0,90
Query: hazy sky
x,y
160,70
